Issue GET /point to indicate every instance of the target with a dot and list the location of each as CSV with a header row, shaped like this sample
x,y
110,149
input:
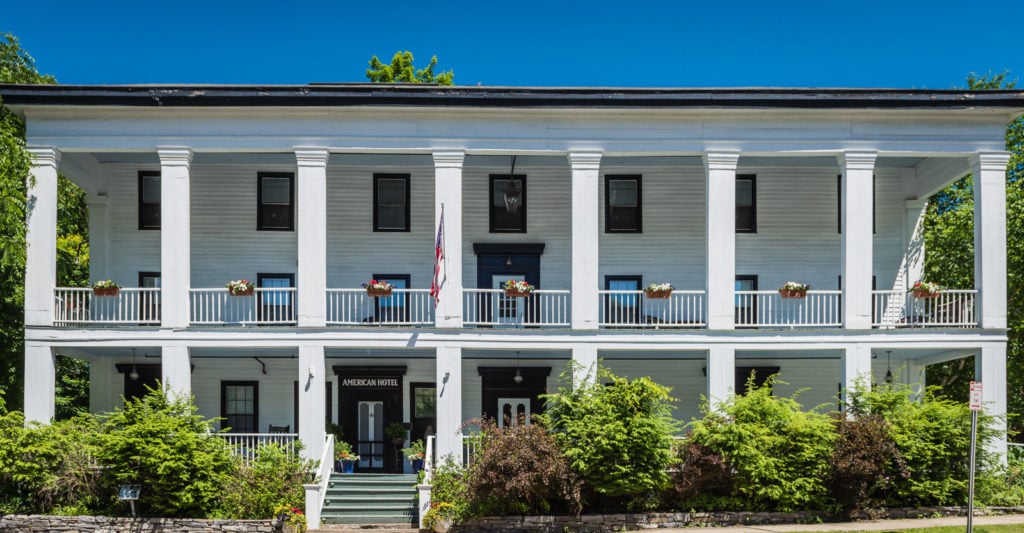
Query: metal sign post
x,y
975,406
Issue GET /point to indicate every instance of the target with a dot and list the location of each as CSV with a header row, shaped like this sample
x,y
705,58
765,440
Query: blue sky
x,y
869,43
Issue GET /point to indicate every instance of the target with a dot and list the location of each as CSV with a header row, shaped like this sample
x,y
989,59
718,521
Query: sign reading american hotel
x,y
370,382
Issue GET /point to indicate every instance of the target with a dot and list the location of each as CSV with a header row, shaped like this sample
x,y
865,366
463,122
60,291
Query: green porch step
x,y
370,499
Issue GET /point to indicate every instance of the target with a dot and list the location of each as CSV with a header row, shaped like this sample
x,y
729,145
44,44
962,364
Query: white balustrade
x,y
492,307
245,445
769,309
266,305
632,309
405,307
899,309
80,306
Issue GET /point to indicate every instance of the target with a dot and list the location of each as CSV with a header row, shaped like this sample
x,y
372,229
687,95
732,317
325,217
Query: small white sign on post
x,y
975,403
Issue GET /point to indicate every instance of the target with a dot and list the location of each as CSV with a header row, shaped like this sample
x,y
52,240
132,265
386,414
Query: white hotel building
x,y
312,190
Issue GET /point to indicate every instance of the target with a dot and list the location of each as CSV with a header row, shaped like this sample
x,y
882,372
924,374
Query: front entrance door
x,y
514,411
370,445
507,310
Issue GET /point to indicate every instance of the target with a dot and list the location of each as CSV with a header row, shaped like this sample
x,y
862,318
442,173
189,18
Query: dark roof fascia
x,y
347,95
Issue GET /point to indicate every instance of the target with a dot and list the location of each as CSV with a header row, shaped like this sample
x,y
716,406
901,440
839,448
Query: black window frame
x,y
376,203
634,317
262,222
753,308
761,375
265,310
496,212
402,311
752,178
638,209
255,404
151,207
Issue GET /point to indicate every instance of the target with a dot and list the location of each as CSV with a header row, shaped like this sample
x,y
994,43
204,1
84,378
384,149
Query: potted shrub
x,y
289,519
926,289
378,288
658,290
792,289
439,517
344,459
105,288
396,433
517,289
241,287
415,453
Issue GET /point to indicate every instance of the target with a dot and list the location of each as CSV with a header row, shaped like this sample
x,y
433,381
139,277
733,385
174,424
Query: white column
x,y
312,418
311,214
584,370
856,369
40,383
448,364
913,257
99,236
176,371
913,374
448,193
41,237
858,169
103,386
585,232
721,374
175,236
990,370
720,223
989,170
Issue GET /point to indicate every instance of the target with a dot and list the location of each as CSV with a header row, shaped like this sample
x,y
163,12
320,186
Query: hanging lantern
x,y
513,193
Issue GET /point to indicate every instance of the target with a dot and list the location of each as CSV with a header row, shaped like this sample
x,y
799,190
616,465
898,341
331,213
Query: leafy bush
x,y
617,436
778,454
449,486
933,438
520,470
271,480
170,450
701,479
865,464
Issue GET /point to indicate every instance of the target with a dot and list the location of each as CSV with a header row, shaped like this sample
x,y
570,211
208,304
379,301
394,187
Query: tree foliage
x,y
401,70
949,260
616,434
273,478
17,66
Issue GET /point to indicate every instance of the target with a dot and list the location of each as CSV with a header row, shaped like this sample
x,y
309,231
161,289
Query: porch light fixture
x,y
312,372
513,193
517,378
134,374
888,366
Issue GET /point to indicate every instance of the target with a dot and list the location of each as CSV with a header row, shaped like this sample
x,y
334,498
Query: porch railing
x,y
899,309
492,308
266,305
405,307
632,309
75,305
770,309
244,445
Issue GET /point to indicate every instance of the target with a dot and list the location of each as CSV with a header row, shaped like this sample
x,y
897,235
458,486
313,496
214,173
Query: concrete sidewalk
x,y
867,525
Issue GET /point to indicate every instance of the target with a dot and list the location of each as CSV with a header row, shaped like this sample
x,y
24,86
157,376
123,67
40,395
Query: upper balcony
x,y
493,308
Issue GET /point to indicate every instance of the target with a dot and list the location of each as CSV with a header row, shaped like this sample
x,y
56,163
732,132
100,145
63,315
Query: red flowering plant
x,y
343,452
292,518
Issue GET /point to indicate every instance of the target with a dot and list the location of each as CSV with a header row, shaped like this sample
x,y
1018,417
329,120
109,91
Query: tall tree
x,y
17,66
949,260
401,70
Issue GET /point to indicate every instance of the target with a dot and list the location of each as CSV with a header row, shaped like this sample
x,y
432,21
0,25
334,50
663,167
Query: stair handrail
x,y
314,506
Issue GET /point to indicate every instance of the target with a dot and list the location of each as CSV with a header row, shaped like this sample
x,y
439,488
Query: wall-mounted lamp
x,y
508,261
312,372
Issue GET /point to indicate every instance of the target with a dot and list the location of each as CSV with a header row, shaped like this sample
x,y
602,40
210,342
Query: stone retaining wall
x,y
618,522
105,524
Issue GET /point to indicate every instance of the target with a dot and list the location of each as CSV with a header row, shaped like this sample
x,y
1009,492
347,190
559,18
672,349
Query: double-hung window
x,y
746,204
149,199
275,201
623,212
239,405
391,202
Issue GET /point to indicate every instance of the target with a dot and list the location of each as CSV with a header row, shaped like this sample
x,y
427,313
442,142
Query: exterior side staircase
x,y
369,499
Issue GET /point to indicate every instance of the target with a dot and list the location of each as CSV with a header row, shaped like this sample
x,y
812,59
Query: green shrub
x,y
617,436
272,479
865,465
171,451
519,469
448,485
778,454
702,480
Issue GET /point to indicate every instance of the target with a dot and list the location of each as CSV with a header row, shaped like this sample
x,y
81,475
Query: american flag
x,y
440,273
